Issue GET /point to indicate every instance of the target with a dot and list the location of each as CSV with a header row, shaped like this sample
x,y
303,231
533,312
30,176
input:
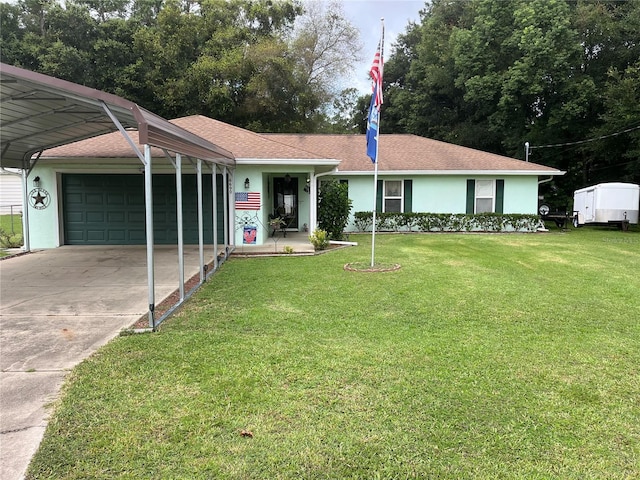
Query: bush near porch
x,y
484,356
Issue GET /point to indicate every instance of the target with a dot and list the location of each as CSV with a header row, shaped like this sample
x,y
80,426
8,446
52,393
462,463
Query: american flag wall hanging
x,y
247,200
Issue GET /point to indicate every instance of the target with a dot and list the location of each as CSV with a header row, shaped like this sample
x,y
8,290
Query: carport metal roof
x,y
38,112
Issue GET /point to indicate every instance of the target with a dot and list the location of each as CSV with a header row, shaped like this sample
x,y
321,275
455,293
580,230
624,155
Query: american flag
x,y
247,200
376,73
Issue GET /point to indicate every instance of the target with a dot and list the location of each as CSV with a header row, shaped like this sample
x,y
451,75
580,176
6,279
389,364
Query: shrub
x,y
319,239
10,240
446,222
363,221
334,208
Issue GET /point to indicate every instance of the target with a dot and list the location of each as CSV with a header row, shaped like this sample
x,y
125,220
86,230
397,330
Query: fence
x,y
14,223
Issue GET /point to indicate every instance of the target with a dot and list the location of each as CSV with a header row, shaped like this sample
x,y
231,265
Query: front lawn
x,y
484,356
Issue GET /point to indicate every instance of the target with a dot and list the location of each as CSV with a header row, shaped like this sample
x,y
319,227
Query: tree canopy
x,y
260,64
489,74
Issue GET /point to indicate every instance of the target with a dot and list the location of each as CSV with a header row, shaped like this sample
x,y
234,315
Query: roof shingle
x,y
397,152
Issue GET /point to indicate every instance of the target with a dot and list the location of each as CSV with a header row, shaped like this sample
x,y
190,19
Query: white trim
x,y
288,161
454,172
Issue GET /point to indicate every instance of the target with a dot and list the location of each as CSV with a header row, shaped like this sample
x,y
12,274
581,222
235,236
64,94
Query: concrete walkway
x,y
57,307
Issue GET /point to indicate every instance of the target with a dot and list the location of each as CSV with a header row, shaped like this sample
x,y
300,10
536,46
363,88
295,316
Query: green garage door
x,y
109,209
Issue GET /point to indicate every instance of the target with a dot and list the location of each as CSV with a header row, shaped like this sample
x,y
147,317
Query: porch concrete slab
x,y
57,307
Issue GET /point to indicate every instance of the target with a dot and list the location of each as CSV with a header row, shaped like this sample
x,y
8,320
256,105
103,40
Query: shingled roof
x,y
243,143
398,152
408,153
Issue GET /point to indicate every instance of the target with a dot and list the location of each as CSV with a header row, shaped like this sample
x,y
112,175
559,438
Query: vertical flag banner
x,y
247,200
372,128
249,234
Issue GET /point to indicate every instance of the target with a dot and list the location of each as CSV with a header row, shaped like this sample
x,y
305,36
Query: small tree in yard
x,y
333,208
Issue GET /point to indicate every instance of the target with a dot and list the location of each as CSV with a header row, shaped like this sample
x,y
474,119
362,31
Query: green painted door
x,y
109,209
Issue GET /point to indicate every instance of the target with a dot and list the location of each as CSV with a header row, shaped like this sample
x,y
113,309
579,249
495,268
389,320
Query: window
x,y
485,196
392,196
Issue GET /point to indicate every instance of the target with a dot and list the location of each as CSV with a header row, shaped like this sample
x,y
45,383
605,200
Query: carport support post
x,y
228,206
178,166
200,222
214,189
25,211
148,199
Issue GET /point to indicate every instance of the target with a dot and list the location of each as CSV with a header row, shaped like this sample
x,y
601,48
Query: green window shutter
x,y
408,195
379,189
471,196
499,196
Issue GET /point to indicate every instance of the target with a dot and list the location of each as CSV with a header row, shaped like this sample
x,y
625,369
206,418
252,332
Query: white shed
x,y
10,192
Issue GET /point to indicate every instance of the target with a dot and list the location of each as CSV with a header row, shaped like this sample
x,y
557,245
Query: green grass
x,y
10,232
484,356
11,223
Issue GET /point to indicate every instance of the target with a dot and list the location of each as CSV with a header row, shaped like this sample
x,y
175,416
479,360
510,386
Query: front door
x,y
285,200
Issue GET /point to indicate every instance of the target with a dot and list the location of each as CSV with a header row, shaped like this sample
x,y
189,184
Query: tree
x,y
325,45
491,75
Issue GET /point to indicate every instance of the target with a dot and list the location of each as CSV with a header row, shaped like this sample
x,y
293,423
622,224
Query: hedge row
x,y
446,222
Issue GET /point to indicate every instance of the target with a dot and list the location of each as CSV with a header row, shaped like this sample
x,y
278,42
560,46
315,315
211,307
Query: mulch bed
x,y
164,306
377,267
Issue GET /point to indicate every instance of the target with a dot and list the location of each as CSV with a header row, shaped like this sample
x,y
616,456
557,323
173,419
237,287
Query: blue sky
x,y
365,15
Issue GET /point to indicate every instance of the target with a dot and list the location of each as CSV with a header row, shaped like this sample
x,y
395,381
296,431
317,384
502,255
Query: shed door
x,y
110,210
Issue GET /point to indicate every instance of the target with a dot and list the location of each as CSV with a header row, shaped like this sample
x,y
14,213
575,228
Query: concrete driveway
x,y
57,307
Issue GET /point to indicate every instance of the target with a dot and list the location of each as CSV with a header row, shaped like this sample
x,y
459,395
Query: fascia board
x,y
455,172
288,161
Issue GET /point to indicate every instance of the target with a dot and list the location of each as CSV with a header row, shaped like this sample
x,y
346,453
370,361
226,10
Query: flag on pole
x,y
376,101
372,128
376,75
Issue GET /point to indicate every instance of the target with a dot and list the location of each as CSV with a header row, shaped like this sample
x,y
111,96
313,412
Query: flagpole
x,y
375,201
375,168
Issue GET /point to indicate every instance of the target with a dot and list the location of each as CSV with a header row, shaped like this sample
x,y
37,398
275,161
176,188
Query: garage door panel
x,y
110,209
95,217
73,198
116,217
75,236
94,199
96,236
117,236
115,199
136,237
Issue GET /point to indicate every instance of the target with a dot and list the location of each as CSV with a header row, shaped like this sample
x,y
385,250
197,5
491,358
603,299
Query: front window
x,y
392,196
485,196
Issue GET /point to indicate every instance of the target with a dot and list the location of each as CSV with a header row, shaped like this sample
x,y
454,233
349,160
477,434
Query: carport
x,y
40,112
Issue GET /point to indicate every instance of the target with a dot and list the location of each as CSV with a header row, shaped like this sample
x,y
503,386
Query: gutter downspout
x,y
540,182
